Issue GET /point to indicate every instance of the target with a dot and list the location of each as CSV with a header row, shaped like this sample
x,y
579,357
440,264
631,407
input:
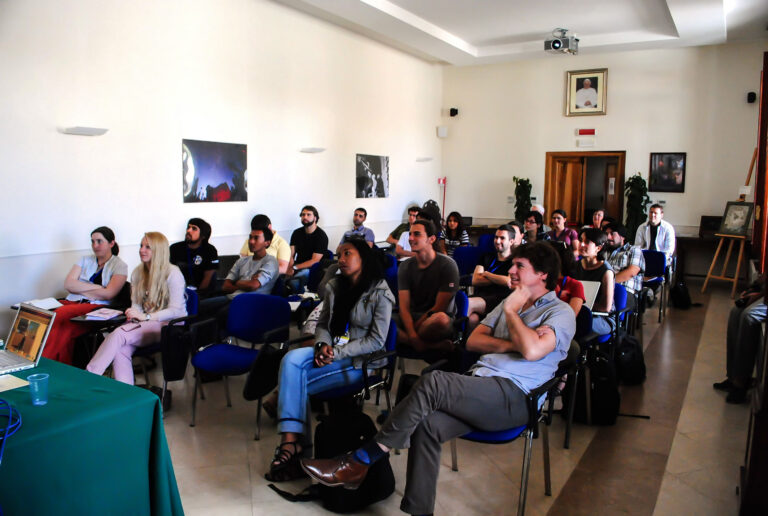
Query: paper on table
x,y
8,382
47,303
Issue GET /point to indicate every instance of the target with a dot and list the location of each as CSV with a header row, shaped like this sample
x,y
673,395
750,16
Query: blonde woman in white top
x,y
157,296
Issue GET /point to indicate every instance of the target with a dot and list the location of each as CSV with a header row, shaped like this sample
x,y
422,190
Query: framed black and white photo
x,y
371,176
586,92
667,172
736,218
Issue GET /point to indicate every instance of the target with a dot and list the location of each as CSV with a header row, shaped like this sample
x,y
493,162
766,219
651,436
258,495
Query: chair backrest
x,y
123,298
462,304
467,258
193,300
251,315
226,261
620,299
390,275
655,263
583,322
485,243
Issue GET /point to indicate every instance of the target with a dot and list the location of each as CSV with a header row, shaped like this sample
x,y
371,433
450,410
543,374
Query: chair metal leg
x,y
588,393
194,397
226,391
162,395
454,456
571,407
389,402
146,372
524,476
545,449
258,422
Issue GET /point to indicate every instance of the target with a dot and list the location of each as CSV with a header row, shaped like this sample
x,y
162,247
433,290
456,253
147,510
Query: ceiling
x,y
470,32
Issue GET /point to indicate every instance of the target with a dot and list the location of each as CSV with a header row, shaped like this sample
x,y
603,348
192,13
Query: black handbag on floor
x,y
337,434
630,362
263,376
604,391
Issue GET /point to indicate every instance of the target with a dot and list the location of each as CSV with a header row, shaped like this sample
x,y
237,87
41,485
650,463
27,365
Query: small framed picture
x,y
736,218
667,172
586,92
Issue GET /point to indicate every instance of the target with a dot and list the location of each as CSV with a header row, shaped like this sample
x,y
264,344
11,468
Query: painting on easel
x,y
736,218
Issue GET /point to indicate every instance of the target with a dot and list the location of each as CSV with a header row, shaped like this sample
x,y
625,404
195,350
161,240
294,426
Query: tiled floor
x,y
220,468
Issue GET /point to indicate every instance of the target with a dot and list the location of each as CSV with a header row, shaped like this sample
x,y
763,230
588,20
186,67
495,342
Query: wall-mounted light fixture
x,y
312,150
83,131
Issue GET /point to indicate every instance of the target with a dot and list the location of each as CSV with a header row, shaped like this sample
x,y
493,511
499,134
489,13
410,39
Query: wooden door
x,y
564,186
614,189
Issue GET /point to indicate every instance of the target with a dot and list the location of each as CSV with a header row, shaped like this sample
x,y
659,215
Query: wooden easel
x,y
735,279
731,240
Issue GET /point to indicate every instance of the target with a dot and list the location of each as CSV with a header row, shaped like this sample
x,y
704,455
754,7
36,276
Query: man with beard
x,y
195,257
626,260
308,245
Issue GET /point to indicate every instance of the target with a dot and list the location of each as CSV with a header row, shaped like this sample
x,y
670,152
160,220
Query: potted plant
x,y
522,197
636,191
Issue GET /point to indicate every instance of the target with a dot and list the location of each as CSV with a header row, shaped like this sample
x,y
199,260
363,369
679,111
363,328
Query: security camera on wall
x,y
561,43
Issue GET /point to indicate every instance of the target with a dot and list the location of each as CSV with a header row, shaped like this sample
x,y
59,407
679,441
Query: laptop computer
x,y
591,289
26,341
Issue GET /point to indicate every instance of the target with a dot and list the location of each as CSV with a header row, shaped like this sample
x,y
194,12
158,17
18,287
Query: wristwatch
x,y
147,317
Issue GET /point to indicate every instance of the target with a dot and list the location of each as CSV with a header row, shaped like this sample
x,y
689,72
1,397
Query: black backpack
x,y
630,363
604,390
336,434
680,296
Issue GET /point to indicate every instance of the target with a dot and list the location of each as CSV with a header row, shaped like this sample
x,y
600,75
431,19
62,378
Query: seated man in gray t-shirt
x,y
257,273
427,284
522,341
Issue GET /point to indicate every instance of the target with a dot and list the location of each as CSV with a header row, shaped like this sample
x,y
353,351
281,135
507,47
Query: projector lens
x,y
557,44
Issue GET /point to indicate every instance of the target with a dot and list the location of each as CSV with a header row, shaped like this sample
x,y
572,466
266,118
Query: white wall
x,y
684,100
240,71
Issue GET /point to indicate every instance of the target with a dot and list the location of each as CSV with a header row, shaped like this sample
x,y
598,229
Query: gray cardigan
x,y
368,322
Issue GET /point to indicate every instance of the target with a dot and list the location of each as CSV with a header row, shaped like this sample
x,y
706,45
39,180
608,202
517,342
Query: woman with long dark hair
x,y
455,234
354,321
94,281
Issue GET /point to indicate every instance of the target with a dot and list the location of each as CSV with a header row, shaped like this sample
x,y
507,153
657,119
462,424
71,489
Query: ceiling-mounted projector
x,y
561,43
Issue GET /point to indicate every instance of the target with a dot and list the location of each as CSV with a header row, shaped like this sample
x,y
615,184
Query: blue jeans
x,y
601,325
299,379
743,339
299,280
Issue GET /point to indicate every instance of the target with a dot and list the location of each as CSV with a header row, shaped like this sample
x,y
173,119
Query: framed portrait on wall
x,y
667,172
736,218
371,176
586,92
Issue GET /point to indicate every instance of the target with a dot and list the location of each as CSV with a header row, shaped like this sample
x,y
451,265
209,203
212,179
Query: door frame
x,y
549,169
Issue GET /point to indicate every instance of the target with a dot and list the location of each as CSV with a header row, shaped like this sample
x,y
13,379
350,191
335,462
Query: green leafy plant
x,y
636,191
522,197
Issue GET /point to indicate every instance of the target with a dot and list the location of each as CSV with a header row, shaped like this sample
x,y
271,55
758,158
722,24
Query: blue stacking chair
x,y
530,431
466,259
145,352
390,274
656,268
485,243
381,379
254,318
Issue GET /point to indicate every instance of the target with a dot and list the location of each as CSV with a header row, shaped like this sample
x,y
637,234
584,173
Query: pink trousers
x,y
119,346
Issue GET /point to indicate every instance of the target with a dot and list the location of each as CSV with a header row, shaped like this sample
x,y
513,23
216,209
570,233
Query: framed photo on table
x,y
667,172
586,92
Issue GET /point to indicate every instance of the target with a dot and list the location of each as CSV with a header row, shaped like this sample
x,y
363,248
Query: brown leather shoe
x,y
342,471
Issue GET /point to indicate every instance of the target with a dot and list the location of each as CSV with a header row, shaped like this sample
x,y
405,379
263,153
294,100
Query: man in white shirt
x,y
586,96
656,234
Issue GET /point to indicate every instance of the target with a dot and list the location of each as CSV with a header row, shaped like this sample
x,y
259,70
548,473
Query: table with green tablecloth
x,y
97,447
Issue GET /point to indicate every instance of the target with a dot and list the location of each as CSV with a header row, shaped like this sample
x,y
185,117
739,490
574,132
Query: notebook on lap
x,y
591,289
26,341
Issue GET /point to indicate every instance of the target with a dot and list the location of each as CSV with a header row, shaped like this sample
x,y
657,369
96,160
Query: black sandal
x,y
285,464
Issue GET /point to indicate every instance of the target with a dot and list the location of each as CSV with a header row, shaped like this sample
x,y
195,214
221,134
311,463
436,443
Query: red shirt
x,y
568,287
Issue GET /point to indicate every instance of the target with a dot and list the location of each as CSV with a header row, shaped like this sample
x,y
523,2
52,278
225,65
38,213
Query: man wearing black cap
x,y
197,259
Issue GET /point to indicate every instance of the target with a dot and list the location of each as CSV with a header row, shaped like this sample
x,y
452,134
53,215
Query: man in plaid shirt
x,y
626,259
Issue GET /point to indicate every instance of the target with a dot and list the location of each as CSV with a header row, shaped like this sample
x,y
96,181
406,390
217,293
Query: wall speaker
x,y
751,97
453,111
